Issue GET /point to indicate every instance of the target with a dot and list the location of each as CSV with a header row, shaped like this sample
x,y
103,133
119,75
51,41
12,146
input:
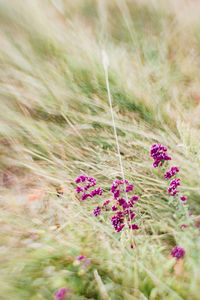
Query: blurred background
x,y
55,123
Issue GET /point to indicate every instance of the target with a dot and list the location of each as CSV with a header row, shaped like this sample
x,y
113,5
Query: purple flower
x,y
87,186
123,211
60,294
81,178
121,201
99,191
125,205
97,211
171,173
106,203
131,246
120,228
88,183
135,198
96,192
134,227
173,185
80,257
116,194
183,198
178,252
79,189
184,226
92,179
117,220
174,193
116,183
85,196
130,214
129,188
85,260
159,155
114,208
113,188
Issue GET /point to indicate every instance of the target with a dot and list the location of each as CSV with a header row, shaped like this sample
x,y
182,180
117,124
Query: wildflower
x,y
97,211
121,201
130,214
120,228
134,227
171,173
114,208
184,226
173,185
125,205
85,196
96,192
124,212
131,246
129,188
79,189
132,201
116,183
80,257
81,178
92,179
116,194
117,221
134,198
88,183
106,203
174,193
178,252
60,294
183,198
159,155
83,259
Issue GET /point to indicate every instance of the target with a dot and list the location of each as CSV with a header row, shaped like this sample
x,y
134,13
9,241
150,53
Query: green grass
x,y
55,123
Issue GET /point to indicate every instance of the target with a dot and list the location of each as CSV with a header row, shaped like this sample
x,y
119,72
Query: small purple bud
x,y
178,252
80,257
60,294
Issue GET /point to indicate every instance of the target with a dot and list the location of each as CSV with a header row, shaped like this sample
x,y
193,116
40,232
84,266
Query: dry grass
x,y
55,122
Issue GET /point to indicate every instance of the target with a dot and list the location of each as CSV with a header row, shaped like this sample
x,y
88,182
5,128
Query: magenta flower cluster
x,y
173,185
123,207
86,183
171,172
121,204
83,259
97,211
159,155
60,294
178,252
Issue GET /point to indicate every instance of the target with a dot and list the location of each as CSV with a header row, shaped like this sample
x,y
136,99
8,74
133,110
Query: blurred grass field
x,y
55,123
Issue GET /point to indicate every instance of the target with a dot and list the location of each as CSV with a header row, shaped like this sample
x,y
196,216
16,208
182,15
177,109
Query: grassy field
x,y
55,123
